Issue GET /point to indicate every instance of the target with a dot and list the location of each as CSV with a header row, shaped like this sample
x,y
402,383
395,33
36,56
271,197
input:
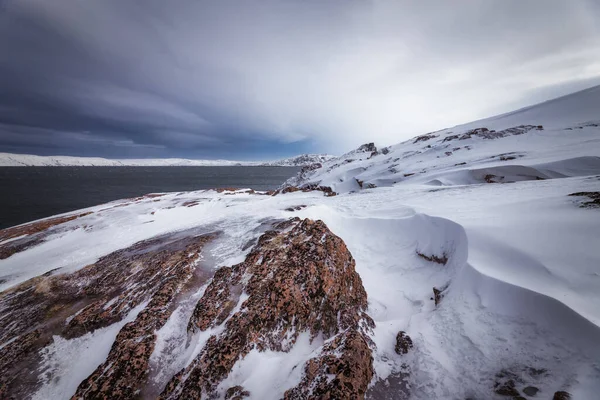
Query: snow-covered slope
x,y
557,138
301,160
27,160
485,258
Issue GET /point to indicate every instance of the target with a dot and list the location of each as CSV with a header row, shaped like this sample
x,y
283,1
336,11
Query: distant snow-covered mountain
x,y
28,160
557,138
301,160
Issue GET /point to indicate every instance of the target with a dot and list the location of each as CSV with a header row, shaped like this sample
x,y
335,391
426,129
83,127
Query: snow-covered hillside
x,y
557,138
301,160
27,160
459,264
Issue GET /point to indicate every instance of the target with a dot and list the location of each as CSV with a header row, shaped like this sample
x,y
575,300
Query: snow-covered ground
x,y
521,287
28,160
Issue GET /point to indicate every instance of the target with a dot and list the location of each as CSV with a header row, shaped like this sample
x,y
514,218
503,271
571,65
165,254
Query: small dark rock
x,y
437,296
489,178
403,343
507,389
531,390
236,393
561,395
537,371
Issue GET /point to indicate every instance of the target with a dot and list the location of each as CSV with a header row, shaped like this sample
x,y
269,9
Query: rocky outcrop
x,y
300,277
593,202
485,133
93,297
367,148
34,233
306,188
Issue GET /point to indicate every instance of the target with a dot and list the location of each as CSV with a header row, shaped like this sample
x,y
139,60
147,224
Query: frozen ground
x,y
521,287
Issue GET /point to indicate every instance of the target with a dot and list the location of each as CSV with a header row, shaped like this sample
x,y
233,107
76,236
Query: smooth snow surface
x,y
522,281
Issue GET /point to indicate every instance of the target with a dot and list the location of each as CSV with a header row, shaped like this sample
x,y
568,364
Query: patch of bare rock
x,y
300,277
98,295
593,202
34,233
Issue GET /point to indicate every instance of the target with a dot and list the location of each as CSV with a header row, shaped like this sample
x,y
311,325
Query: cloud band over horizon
x,y
263,79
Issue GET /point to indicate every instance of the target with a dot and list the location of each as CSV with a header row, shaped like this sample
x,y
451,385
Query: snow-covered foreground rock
x,y
474,274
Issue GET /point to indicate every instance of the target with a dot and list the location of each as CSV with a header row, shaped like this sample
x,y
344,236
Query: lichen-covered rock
x,y
342,371
236,393
298,278
403,343
93,297
33,234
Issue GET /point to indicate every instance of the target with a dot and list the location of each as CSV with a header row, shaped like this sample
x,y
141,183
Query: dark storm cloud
x,y
248,79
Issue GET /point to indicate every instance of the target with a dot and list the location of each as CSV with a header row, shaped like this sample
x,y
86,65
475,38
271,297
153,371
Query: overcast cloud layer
x,y
251,80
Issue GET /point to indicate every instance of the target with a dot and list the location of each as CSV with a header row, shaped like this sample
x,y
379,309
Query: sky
x,y
265,79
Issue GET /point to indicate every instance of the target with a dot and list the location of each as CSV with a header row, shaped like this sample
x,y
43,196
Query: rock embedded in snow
x,y
403,343
593,202
561,395
236,393
507,389
530,390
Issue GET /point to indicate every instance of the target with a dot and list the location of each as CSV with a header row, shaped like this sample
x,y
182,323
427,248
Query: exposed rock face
x,y
299,278
443,259
437,296
236,393
507,389
424,138
367,148
403,343
35,233
306,188
561,395
594,199
343,371
486,133
94,297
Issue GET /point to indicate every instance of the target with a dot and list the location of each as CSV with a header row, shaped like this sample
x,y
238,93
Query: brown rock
x,y
236,393
97,296
343,371
34,232
403,343
561,395
300,279
507,389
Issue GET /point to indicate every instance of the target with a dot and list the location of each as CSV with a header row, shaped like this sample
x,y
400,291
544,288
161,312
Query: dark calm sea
x,y
29,193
